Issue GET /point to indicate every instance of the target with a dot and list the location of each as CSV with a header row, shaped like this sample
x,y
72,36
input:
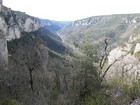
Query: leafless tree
x,y
103,68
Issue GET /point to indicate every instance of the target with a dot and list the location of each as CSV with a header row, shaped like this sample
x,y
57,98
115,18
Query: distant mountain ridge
x,y
45,62
112,26
54,26
123,35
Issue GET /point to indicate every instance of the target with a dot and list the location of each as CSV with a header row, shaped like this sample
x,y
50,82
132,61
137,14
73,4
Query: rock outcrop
x,y
1,2
27,50
3,52
137,48
87,22
126,66
11,27
136,102
93,20
31,25
12,23
119,30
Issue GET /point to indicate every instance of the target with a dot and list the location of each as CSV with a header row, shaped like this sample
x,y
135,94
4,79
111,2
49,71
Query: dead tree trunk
x,y
31,78
57,79
66,83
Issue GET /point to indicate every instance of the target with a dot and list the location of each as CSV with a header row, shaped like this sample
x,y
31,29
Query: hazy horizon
x,y
70,10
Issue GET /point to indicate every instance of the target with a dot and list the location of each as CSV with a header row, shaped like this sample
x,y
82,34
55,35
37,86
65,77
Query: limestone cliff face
x,y
12,23
3,53
118,29
1,2
13,33
137,48
126,66
87,21
14,29
3,26
11,27
31,25
28,51
96,19
3,43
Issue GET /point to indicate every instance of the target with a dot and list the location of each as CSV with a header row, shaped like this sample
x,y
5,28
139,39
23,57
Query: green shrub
x,y
129,91
54,94
10,101
98,99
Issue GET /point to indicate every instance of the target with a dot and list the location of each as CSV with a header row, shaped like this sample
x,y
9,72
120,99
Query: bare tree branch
x,y
104,59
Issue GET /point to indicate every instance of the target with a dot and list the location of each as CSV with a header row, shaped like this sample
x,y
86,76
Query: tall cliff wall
x,y
12,24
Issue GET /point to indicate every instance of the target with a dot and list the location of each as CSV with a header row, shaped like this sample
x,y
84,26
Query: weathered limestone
x,y
137,48
3,26
136,102
11,28
3,51
13,33
1,2
31,25
126,66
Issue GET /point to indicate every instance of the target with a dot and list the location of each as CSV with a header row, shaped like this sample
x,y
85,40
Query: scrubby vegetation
x,y
41,70
77,82
10,101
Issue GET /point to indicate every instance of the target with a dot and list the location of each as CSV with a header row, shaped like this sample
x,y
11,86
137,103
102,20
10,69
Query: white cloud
x,y
73,9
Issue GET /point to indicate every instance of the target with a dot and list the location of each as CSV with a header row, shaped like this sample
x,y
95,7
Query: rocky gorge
x,y
91,61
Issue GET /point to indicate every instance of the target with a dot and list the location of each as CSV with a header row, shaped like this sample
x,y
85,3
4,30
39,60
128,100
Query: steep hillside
x,y
31,57
94,61
54,26
121,35
13,23
118,28
32,71
53,41
113,43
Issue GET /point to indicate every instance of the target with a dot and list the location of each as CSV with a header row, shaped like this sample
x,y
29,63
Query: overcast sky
x,y
73,9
